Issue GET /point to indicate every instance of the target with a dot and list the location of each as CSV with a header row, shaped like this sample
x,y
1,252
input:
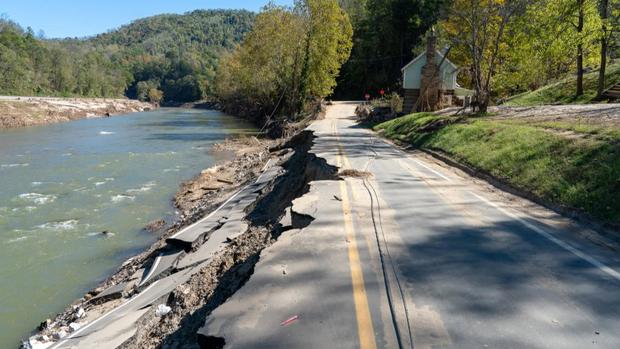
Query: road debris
x,y
224,180
354,173
60,334
74,326
162,310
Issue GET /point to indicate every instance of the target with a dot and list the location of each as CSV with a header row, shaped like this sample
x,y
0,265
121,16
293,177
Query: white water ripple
x,y
146,187
14,165
21,238
70,224
39,199
122,197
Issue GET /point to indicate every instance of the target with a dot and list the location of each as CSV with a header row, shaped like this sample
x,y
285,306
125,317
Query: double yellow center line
x,y
362,309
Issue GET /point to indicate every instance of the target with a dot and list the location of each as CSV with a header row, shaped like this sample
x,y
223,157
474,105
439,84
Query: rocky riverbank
x,y
30,111
194,199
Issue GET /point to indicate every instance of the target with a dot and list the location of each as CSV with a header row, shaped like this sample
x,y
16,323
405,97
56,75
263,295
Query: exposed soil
x,y
250,155
192,301
603,114
228,270
30,111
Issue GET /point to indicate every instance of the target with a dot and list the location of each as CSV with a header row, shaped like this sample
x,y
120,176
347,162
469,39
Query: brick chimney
x,y
431,46
430,83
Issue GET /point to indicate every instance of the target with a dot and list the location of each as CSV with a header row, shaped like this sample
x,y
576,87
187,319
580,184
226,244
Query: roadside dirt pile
x,y
29,111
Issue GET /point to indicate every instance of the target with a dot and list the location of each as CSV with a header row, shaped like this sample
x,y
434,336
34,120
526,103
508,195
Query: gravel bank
x,y
30,111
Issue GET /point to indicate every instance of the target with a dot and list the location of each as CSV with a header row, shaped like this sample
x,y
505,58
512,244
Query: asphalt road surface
x,y
406,252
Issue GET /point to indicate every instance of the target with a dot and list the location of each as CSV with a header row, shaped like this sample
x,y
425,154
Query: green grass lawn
x,y
580,170
563,91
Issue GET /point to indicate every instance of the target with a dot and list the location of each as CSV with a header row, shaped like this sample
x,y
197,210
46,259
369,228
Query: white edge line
x,y
152,270
210,214
434,171
265,167
102,317
595,262
407,167
222,205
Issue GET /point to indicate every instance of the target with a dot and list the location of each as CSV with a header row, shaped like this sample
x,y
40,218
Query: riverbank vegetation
x,y
289,60
572,163
165,57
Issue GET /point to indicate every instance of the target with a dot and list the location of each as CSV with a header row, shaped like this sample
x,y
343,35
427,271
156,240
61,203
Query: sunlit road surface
x,y
410,253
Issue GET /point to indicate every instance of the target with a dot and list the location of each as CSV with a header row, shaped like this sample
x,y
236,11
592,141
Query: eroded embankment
x,y
267,218
30,111
214,280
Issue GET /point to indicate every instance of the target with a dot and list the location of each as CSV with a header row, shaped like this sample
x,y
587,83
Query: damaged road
x,y
405,252
199,266
346,241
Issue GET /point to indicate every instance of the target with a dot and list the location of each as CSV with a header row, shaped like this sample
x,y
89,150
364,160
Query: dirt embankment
x,y
30,111
211,184
194,199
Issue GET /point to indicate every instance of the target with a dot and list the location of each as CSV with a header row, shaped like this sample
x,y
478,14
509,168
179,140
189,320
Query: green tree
x,y
328,46
155,95
292,56
478,28
386,34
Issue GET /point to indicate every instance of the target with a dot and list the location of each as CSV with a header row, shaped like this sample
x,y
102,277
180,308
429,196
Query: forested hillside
x,y
387,35
169,57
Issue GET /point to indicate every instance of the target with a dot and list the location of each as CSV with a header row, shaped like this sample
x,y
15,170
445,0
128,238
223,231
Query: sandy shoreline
x,y
31,111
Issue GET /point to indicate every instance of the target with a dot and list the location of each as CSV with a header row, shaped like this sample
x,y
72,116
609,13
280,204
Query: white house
x,y
412,72
413,76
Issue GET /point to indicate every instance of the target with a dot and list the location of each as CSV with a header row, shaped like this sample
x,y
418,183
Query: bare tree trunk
x,y
604,12
580,50
483,102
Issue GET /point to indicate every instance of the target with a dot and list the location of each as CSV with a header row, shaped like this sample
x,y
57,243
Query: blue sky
x,y
69,18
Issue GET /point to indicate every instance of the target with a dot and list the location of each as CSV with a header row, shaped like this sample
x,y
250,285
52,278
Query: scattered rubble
x,y
173,323
162,310
251,154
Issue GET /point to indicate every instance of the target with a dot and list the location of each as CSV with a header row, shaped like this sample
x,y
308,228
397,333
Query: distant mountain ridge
x,y
169,57
211,27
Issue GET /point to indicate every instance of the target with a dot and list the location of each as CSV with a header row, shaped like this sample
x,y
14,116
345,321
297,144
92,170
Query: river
x,y
62,185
